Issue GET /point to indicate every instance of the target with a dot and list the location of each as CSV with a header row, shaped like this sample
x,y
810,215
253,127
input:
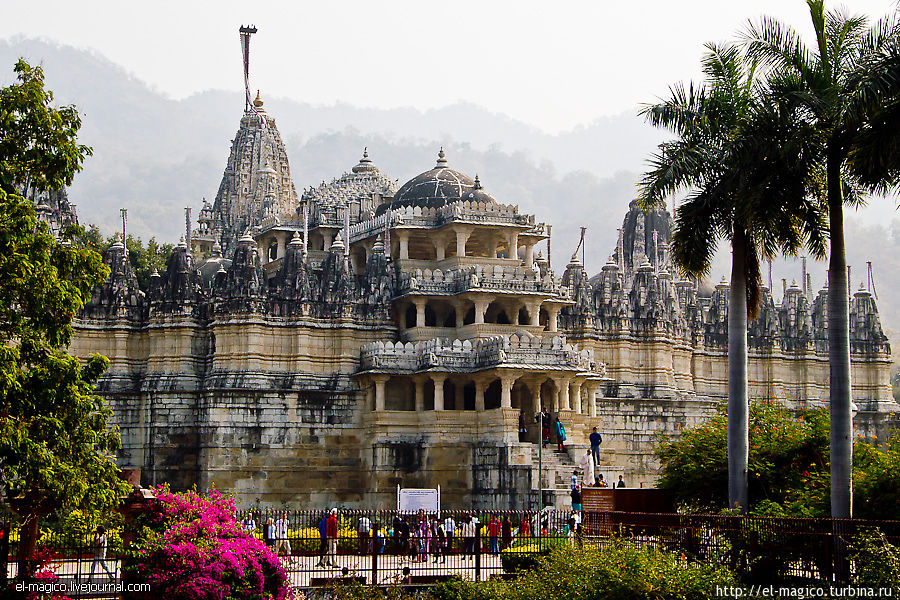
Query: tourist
x,y
560,436
576,498
573,483
377,539
248,524
450,530
467,531
621,483
404,537
587,465
269,532
524,530
494,533
506,535
281,535
407,576
323,539
395,534
596,439
440,539
363,531
545,419
331,531
423,532
601,482
100,545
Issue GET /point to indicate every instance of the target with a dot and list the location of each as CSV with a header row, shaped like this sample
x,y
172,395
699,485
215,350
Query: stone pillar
x,y
481,305
403,239
576,396
440,247
592,401
281,246
491,241
438,379
512,241
479,395
460,308
506,384
552,318
420,394
420,311
379,391
534,312
562,386
555,408
328,238
536,400
462,236
529,256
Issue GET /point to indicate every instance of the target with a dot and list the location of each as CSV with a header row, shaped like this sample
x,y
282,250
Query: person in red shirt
x,y
494,532
331,534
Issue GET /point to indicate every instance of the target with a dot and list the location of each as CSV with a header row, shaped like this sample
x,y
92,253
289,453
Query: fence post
x,y
478,541
374,562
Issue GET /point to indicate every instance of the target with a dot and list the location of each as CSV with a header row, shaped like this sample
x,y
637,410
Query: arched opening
x,y
272,252
449,395
496,314
492,395
470,316
523,317
450,318
548,393
543,317
409,316
469,396
430,318
428,395
399,394
521,396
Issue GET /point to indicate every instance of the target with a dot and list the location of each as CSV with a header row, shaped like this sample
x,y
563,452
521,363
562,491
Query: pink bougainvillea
x,y
194,549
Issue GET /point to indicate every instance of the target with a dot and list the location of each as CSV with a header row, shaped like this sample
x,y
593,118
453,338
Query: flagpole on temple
x,y
246,32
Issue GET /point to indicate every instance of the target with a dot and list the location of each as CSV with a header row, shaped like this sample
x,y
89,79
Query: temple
x,y
365,336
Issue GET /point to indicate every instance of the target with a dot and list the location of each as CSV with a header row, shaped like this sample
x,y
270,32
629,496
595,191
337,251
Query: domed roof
x,y
438,187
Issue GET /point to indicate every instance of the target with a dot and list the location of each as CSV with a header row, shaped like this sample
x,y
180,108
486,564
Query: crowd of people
x,y
419,537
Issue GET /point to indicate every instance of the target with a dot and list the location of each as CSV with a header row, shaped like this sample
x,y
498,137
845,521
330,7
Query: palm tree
x,y
728,157
846,87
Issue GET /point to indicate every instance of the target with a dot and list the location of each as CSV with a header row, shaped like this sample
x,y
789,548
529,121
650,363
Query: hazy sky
x,y
554,65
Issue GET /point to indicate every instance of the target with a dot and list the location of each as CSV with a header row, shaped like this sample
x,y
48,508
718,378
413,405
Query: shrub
x,y
877,562
524,554
611,573
192,548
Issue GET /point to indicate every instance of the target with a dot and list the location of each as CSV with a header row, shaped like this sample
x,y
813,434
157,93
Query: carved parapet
x,y
478,278
525,351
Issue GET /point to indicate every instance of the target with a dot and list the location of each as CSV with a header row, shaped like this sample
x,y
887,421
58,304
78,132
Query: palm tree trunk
x,y
738,411
839,351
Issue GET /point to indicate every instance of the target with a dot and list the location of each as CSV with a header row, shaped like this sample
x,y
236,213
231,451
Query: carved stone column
x,y
506,384
438,379
481,305
479,394
552,317
576,396
462,236
403,239
380,380
420,394
420,311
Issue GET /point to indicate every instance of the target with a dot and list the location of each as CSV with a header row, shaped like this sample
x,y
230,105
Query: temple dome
x,y
438,187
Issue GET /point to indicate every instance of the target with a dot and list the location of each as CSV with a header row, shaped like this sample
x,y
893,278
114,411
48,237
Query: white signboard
x,y
415,499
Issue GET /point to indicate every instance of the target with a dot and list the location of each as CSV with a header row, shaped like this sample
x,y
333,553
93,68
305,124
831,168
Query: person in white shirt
x,y
281,535
363,530
248,524
450,530
100,545
467,532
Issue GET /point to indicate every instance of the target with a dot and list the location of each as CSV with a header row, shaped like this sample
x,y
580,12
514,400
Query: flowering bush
x,y
192,548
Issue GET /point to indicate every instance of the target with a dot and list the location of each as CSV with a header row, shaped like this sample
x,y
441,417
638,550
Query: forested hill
x,y
155,155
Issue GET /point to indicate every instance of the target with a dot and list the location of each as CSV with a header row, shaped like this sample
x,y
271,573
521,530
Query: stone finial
x,y
338,244
722,284
477,185
378,246
258,102
217,250
181,244
365,164
246,238
296,240
442,160
117,245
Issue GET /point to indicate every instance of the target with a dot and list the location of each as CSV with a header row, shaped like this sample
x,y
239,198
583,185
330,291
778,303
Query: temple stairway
x,y
557,470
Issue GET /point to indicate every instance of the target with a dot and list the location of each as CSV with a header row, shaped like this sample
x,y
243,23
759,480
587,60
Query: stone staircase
x,y
557,470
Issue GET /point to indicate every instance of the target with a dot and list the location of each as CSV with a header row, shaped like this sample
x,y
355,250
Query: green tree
x,y
55,447
846,87
723,128
144,259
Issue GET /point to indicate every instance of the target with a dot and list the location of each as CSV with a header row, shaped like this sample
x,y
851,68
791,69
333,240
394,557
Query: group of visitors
x,y
548,423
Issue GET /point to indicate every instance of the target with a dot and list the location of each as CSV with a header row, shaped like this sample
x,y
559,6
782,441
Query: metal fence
x,y
319,548
385,547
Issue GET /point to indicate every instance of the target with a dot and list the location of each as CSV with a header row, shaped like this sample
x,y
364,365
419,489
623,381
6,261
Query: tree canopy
x,y
55,446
